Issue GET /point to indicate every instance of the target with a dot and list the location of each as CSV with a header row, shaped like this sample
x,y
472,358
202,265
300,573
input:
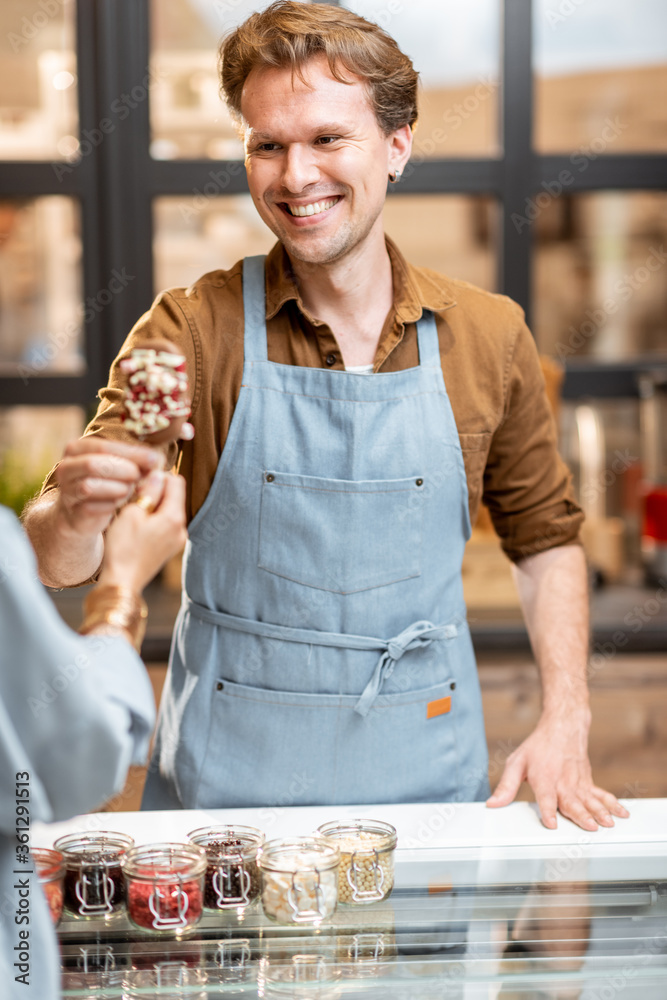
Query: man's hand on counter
x,y
553,589
554,761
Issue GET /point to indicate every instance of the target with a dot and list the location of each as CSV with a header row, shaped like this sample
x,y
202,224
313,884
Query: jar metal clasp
x,y
83,885
224,874
353,873
155,901
305,916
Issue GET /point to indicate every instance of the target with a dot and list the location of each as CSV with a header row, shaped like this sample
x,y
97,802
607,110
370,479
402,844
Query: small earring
x,y
393,178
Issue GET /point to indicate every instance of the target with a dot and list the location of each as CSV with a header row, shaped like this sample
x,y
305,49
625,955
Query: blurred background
x,y
539,171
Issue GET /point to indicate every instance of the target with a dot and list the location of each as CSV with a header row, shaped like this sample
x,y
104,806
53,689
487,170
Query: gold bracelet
x,y
118,607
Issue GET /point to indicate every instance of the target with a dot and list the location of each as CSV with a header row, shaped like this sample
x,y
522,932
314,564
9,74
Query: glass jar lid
x,y
104,847
50,864
298,854
163,863
228,842
360,836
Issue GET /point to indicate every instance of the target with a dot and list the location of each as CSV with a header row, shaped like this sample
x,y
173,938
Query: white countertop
x,y
464,827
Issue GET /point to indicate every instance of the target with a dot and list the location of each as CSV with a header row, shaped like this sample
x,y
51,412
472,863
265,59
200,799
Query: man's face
x,y
316,159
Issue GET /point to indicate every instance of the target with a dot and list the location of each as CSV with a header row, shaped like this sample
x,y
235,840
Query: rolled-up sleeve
x,y
527,486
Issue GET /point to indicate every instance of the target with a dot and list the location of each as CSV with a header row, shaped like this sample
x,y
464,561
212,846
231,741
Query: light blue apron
x,y
321,653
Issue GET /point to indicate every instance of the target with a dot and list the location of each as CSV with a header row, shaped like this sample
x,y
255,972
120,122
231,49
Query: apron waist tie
x,y
417,635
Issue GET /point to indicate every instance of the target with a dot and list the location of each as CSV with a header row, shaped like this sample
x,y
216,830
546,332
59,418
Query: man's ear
x,y
400,148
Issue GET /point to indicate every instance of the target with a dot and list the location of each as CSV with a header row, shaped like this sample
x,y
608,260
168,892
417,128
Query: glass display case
x,y
584,920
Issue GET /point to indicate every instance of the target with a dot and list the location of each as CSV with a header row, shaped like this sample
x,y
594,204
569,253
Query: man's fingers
x,y
575,809
153,487
143,456
85,491
509,784
611,802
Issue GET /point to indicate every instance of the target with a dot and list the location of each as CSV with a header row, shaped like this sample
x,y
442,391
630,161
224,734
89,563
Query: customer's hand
x,y
138,543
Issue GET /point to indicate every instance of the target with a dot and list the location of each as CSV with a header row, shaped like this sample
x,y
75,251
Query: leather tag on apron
x,y
439,707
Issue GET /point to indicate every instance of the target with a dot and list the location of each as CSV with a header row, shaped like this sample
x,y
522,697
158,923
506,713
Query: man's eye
x,y
326,140
266,147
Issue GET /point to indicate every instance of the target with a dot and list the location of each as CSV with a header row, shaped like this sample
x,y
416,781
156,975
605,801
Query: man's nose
x,y
299,169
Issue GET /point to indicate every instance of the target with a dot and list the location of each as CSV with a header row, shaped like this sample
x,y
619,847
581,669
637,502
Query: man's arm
x,y
553,589
66,525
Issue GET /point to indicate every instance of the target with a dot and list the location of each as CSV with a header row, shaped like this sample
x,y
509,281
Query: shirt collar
x,y
415,288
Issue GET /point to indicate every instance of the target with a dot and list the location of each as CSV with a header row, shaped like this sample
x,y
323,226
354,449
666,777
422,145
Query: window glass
x,y
192,238
454,47
452,234
38,85
601,276
601,75
456,50
41,316
32,439
189,120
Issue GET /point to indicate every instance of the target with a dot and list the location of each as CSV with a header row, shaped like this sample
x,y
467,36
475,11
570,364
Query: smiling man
x,y
351,411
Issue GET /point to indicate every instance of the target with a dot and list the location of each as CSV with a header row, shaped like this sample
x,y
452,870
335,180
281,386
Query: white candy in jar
x,y
299,882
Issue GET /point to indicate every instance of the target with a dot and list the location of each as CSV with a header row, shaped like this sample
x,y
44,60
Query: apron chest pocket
x,y
340,535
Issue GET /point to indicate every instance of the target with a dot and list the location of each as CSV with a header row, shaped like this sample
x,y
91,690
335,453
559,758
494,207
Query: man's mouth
x,y
312,208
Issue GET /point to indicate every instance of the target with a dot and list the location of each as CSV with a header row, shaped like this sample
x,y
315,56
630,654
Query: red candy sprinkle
x,y
156,392
162,906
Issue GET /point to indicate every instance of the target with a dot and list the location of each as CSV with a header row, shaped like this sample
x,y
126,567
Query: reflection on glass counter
x,y
38,81
41,317
539,924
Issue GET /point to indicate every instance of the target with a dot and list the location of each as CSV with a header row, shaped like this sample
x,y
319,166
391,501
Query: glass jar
x,y
299,879
232,876
94,882
50,867
366,872
165,886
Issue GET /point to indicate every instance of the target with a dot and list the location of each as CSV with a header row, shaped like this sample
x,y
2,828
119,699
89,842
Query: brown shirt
x,y
489,360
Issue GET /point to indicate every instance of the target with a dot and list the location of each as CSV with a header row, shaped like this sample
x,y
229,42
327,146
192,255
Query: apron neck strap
x,y
427,338
254,309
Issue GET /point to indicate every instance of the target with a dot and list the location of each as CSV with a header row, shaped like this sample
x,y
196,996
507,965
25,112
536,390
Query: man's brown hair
x,y
290,34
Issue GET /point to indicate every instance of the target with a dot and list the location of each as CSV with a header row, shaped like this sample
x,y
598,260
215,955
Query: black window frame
x,y
117,182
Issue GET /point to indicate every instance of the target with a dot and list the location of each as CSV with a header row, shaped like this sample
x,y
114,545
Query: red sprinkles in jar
x,y
54,897
163,905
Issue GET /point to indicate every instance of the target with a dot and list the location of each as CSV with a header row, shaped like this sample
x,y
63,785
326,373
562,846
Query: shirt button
x,y
270,477
419,482
331,359
219,686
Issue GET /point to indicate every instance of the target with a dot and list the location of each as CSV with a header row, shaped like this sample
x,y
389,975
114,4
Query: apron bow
x,y
417,635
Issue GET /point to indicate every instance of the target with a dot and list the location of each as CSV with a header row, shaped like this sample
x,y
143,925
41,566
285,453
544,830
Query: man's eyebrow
x,y
325,128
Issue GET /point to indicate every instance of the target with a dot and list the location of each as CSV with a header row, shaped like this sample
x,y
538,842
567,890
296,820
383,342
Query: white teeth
x,y
313,209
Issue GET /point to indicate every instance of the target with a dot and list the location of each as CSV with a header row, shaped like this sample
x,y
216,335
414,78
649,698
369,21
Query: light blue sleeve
x,y
75,711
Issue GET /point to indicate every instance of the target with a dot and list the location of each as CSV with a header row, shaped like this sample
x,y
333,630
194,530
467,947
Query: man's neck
x,y
352,295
